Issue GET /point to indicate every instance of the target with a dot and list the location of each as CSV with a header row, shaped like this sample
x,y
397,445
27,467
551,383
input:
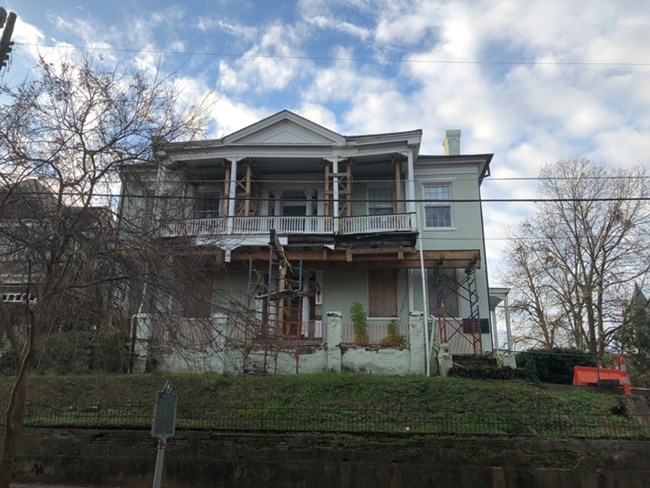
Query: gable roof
x,y
284,127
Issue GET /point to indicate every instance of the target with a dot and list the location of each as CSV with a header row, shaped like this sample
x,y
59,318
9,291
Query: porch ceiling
x,y
396,258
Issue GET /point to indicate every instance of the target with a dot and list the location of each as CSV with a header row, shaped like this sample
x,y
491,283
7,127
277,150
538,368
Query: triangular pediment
x,y
284,128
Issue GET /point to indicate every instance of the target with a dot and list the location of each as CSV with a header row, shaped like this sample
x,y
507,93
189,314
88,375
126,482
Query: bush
x,y
81,351
358,316
554,366
491,373
111,351
63,352
394,338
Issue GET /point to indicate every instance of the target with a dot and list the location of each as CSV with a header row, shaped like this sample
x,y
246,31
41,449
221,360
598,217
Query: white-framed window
x,y
381,201
437,205
207,204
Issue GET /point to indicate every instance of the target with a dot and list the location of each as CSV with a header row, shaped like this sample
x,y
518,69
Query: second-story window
x,y
207,205
437,205
380,201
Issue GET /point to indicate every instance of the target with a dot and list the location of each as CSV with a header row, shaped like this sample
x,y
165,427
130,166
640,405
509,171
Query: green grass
x,y
329,403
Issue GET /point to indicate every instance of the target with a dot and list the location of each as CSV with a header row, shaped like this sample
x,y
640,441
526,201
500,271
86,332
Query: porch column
x,y
309,211
335,192
417,346
334,335
305,309
508,328
277,209
231,196
310,196
410,179
495,329
220,323
142,330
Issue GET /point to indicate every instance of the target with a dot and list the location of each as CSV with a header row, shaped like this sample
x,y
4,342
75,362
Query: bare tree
x,y
574,262
64,135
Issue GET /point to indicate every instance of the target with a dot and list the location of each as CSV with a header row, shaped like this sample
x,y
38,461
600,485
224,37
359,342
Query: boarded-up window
x,y
197,298
382,293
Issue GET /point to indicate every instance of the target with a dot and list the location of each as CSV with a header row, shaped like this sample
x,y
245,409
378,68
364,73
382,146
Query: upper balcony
x,y
289,225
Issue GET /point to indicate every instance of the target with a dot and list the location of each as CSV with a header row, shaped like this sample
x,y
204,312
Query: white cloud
x,y
319,114
269,65
27,33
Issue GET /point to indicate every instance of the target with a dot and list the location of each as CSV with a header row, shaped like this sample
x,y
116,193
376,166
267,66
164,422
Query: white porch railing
x,y
377,332
287,225
375,223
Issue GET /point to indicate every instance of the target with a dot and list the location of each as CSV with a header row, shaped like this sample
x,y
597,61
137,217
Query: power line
x,y
222,54
351,200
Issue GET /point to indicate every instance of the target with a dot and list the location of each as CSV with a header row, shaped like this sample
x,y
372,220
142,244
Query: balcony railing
x,y
287,225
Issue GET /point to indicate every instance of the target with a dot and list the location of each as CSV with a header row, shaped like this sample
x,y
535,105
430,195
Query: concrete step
x,y
475,361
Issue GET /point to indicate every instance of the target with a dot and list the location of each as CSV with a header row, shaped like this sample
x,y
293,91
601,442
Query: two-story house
x,y
306,250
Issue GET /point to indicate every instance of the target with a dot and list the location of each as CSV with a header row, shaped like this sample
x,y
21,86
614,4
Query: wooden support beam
x,y
247,189
226,190
277,246
346,258
399,206
328,189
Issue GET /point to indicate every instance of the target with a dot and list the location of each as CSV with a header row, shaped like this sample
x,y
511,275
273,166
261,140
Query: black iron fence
x,y
355,420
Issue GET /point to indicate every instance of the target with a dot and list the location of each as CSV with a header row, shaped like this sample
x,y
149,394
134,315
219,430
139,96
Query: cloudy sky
x,y
531,81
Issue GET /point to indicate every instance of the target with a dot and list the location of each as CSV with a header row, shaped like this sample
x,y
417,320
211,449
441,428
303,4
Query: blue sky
x,y
530,81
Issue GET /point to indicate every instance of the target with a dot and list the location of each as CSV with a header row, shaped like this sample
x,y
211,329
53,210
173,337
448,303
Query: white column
x,y
309,211
309,202
495,329
410,180
233,192
508,329
305,307
335,189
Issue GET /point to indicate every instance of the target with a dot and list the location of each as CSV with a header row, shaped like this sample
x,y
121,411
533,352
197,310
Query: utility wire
x,y
221,54
345,200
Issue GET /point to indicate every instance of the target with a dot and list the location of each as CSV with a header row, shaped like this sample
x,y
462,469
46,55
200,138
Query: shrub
x,y
111,351
394,338
358,316
63,352
554,366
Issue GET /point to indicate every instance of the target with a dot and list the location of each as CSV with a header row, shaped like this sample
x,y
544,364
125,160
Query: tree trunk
x,y
14,420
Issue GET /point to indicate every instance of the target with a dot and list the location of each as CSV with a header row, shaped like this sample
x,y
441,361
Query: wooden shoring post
x,y
328,190
399,207
247,189
226,189
348,188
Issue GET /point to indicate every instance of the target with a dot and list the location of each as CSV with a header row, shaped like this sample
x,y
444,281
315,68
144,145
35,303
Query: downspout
x,y
413,208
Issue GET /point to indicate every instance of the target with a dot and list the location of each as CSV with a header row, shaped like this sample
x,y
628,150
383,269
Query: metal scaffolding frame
x,y
275,295
469,329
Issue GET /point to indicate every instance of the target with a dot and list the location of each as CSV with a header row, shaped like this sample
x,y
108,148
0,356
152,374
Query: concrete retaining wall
x,y
194,459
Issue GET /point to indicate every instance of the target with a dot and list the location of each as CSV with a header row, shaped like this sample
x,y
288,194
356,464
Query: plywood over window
x,y
382,293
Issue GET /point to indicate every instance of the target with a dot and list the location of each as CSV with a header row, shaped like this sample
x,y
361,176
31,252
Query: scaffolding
x,y
275,294
451,330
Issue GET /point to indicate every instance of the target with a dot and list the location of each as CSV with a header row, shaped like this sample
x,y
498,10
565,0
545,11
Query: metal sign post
x,y
163,426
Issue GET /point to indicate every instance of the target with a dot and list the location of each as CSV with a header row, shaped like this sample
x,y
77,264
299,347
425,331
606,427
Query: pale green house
x,y
281,227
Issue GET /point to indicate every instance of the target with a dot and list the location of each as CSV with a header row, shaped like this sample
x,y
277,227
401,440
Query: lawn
x,y
329,403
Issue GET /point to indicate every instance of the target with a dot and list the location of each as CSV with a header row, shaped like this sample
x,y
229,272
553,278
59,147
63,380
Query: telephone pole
x,y
6,43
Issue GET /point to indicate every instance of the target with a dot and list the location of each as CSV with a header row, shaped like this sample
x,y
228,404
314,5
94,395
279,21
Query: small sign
x,y
164,413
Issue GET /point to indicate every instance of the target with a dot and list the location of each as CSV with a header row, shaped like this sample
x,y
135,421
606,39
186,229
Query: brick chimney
x,y
452,142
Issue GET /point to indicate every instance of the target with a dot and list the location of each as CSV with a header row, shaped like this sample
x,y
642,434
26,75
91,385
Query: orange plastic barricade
x,y
585,375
